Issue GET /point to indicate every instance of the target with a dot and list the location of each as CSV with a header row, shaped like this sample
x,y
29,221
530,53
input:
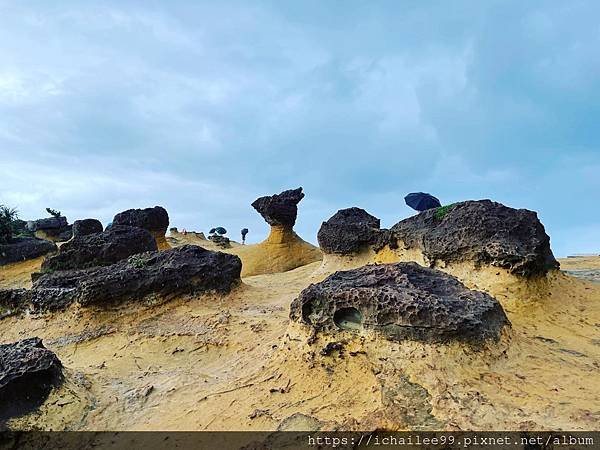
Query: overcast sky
x,y
203,106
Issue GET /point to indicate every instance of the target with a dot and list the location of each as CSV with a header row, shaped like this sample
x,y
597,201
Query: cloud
x,y
203,107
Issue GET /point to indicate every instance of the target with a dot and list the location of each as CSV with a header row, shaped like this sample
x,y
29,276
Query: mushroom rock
x,y
400,301
54,229
24,248
86,226
351,238
28,373
155,220
283,249
101,249
480,232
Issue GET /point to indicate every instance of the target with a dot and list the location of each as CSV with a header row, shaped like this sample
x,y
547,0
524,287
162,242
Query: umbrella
x,y
422,201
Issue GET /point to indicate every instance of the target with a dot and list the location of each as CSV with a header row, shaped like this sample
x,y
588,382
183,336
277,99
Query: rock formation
x,y
155,220
24,248
400,301
283,249
484,232
86,226
183,270
101,249
51,228
28,372
220,241
352,230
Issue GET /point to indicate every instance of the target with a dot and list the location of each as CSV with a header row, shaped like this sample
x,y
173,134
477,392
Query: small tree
x,y
53,212
7,219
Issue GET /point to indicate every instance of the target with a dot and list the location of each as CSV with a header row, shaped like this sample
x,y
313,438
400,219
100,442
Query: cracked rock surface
x,y
400,301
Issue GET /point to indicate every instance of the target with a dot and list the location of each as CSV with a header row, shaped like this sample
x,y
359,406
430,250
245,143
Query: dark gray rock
x,y
352,230
86,226
182,270
280,209
483,231
48,223
28,373
400,301
221,241
155,220
24,248
13,301
101,249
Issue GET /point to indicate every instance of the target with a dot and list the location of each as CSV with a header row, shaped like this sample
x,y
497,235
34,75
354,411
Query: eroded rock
x,y
400,301
352,230
182,270
280,209
101,249
28,373
155,220
86,226
24,248
485,232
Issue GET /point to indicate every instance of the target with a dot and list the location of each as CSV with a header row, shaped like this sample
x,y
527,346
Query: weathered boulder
x,y
352,230
484,232
28,373
86,226
280,209
220,241
155,220
24,248
51,228
12,301
101,249
400,301
48,223
182,270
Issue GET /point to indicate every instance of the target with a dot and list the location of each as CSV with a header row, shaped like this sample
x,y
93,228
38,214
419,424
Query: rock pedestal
x,y
155,220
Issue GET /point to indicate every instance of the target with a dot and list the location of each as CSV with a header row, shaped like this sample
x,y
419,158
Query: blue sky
x,y
203,106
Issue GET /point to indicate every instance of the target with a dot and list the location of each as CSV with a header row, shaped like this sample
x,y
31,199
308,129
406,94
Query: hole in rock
x,y
348,319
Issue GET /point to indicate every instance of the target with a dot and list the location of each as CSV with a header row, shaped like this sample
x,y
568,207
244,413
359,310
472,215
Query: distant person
x,y
244,233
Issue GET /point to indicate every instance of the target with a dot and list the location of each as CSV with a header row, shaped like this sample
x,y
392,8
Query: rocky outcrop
x,y
400,301
155,220
283,249
220,241
21,249
12,301
350,231
101,249
182,270
280,209
28,373
86,226
51,228
483,232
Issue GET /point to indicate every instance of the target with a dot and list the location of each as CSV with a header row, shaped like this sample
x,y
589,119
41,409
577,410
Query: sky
x,y
201,107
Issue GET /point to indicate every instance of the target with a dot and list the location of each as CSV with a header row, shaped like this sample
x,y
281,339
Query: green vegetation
x,y
441,212
54,212
138,261
8,216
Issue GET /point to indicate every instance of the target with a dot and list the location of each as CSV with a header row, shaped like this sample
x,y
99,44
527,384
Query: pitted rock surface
x,y
155,220
352,230
22,249
86,226
182,270
400,301
280,209
28,372
483,231
101,249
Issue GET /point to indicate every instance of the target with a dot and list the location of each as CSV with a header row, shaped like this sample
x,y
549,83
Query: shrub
x,y
441,212
54,212
7,219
